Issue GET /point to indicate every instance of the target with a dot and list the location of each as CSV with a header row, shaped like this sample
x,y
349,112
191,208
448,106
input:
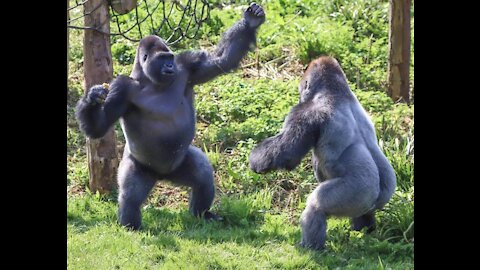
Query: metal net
x,y
170,19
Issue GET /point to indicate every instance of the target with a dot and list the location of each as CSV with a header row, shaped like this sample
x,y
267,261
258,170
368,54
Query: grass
x,y
235,112
172,239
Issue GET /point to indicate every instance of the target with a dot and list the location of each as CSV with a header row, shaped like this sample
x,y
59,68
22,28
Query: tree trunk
x,y
399,51
68,41
101,153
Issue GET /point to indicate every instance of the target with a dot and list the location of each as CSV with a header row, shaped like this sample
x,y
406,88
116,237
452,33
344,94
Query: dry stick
x,y
257,63
408,229
266,63
296,15
203,120
284,64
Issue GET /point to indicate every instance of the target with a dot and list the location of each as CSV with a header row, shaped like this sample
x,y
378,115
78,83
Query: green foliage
x,y
212,27
396,221
374,102
235,112
222,3
367,17
324,38
124,52
362,58
237,109
246,208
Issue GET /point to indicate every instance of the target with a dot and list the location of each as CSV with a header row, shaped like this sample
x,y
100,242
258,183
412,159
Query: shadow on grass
x,y
182,224
85,214
343,247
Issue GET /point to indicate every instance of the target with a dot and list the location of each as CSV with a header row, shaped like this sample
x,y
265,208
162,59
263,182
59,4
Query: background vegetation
x,y
234,112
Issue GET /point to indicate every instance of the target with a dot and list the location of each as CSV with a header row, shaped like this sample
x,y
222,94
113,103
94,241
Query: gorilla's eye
x,y
145,57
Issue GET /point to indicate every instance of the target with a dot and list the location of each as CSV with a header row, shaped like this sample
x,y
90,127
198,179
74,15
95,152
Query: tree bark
x,y
399,51
98,68
68,41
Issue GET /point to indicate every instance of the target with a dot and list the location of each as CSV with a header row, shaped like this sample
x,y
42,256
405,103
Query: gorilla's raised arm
x,y
286,149
234,45
99,108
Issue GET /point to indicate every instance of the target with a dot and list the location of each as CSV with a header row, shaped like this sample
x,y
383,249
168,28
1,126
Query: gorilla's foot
x,y
313,246
131,226
365,221
209,216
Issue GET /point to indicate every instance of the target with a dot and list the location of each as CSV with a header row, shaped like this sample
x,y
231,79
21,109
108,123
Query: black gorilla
x,y
354,175
155,107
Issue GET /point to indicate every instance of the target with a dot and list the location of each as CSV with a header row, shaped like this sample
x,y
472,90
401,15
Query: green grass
x,y
172,239
235,112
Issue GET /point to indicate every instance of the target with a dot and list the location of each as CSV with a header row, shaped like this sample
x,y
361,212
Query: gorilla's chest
x,y
161,115
159,126
164,105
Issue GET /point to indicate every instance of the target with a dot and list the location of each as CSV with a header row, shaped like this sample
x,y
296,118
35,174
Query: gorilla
x,y
355,178
155,108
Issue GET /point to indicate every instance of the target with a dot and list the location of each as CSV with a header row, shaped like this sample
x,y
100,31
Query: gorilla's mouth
x,y
168,72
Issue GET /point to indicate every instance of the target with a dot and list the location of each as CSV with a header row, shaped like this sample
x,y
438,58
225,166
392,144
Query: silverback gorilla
x,y
354,176
155,107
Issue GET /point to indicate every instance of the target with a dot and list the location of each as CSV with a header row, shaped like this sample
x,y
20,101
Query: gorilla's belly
x,y
160,157
156,144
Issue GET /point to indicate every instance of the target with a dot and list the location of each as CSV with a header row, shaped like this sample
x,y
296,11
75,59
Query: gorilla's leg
x,y
316,170
340,196
197,173
314,226
135,183
364,221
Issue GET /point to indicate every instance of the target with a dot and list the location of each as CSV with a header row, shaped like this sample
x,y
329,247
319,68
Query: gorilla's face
x,y
157,60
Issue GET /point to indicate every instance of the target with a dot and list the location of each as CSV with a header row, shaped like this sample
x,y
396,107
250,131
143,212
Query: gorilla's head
x,y
322,73
155,60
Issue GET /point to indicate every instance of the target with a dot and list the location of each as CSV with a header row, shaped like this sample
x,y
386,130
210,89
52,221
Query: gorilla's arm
x,y
96,114
286,149
234,45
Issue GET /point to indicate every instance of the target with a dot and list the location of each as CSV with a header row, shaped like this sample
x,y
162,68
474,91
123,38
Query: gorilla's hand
x,y
271,155
254,15
97,95
258,165
260,159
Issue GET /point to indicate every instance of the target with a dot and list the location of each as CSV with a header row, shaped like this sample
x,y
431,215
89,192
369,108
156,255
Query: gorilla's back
x,y
388,179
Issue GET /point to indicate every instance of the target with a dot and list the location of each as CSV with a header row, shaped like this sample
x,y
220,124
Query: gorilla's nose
x,y
169,65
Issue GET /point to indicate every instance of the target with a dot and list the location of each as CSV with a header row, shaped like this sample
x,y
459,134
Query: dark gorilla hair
x,y
155,108
355,178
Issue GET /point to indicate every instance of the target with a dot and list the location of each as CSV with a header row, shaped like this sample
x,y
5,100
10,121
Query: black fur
x,y
354,176
155,108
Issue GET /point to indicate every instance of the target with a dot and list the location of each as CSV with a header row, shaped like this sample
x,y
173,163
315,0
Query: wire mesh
x,y
170,19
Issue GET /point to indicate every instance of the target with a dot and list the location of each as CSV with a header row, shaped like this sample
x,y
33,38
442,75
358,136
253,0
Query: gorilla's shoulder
x,y
124,79
124,82
191,60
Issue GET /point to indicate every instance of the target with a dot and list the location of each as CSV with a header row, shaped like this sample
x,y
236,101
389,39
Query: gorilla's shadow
x,y
183,225
166,226
162,239
341,250
83,224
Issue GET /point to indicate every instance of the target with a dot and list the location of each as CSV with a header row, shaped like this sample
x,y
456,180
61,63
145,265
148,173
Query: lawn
x,y
234,112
